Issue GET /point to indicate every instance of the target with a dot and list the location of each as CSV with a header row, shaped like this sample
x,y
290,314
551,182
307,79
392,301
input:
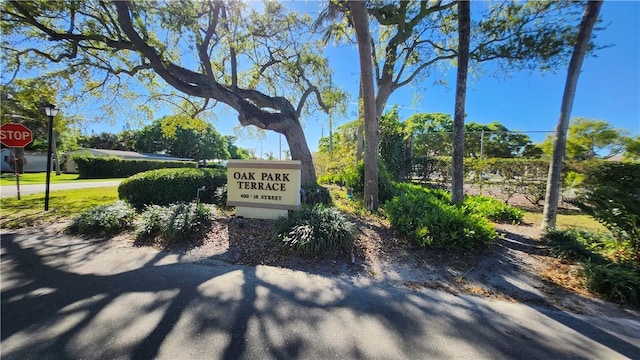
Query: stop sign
x,y
15,135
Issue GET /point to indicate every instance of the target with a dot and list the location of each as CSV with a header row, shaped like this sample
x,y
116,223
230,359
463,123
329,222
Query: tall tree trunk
x,y
587,23
361,25
360,134
464,26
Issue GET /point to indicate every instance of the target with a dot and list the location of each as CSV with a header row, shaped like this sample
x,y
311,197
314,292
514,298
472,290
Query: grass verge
x,y
8,179
63,204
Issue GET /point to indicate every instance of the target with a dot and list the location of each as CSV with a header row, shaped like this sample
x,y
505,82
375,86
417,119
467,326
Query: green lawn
x,y
566,221
41,178
63,204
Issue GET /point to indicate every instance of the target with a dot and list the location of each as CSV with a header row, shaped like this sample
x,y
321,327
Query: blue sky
x,y
608,89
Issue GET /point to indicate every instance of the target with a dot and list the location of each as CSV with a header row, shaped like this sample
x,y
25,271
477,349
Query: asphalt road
x,y
12,190
69,298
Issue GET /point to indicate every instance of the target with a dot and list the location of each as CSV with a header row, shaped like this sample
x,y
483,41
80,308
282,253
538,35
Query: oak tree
x,y
263,65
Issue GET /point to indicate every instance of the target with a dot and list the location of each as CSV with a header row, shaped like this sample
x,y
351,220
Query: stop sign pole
x,y
15,136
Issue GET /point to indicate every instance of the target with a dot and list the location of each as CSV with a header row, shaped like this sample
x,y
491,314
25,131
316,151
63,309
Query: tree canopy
x,y
590,139
264,65
432,136
181,136
411,38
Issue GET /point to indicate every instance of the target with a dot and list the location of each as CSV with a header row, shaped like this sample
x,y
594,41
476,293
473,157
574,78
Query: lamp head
x,y
50,109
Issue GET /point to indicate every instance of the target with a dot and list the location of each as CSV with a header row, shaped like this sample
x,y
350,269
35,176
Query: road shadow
x,y
58,302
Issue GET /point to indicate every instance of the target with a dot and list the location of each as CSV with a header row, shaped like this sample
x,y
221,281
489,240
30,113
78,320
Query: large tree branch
x,y
422,67
206,40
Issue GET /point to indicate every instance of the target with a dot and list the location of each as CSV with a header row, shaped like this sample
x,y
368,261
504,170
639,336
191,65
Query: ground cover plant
x,y
606,266
427,217
103,219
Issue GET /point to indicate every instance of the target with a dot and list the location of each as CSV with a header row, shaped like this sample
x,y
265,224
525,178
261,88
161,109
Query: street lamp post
x,y
51,112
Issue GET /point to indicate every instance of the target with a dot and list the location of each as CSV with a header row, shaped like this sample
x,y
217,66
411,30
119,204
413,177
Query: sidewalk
x,y
11,190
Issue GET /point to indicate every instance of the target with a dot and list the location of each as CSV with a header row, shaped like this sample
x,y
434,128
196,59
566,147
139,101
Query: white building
x,y
37,161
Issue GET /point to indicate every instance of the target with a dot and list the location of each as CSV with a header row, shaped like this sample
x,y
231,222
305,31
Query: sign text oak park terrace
x,y
267,181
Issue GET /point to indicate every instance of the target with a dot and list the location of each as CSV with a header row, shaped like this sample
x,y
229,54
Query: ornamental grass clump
x,y
315,231
175,223
103,219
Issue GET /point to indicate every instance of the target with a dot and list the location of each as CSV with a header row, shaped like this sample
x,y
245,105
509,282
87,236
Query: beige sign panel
x,y
264,184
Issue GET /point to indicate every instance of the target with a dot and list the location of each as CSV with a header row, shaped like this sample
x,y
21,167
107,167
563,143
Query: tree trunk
x,y
360,134
361,25
587,23
385,88
300,151
464,26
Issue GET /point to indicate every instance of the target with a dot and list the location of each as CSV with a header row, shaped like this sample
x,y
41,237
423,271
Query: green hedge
x,y
168,186
97,167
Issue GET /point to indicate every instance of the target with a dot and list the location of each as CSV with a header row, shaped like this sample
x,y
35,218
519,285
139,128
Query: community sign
x,y
263,189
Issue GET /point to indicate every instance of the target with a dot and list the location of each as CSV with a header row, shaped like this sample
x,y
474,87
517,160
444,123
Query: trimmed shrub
x,y
426,169
312,194
426,217
493,209
104,219
92,167
315,231
167,186
179,222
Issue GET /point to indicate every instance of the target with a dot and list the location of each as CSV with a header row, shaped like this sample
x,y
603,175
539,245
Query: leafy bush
x,y
584,245
571,245
611,194
614,282
493,209
167,186
312,194
91,167
606,265
426,217
104,219
177,222
315,230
